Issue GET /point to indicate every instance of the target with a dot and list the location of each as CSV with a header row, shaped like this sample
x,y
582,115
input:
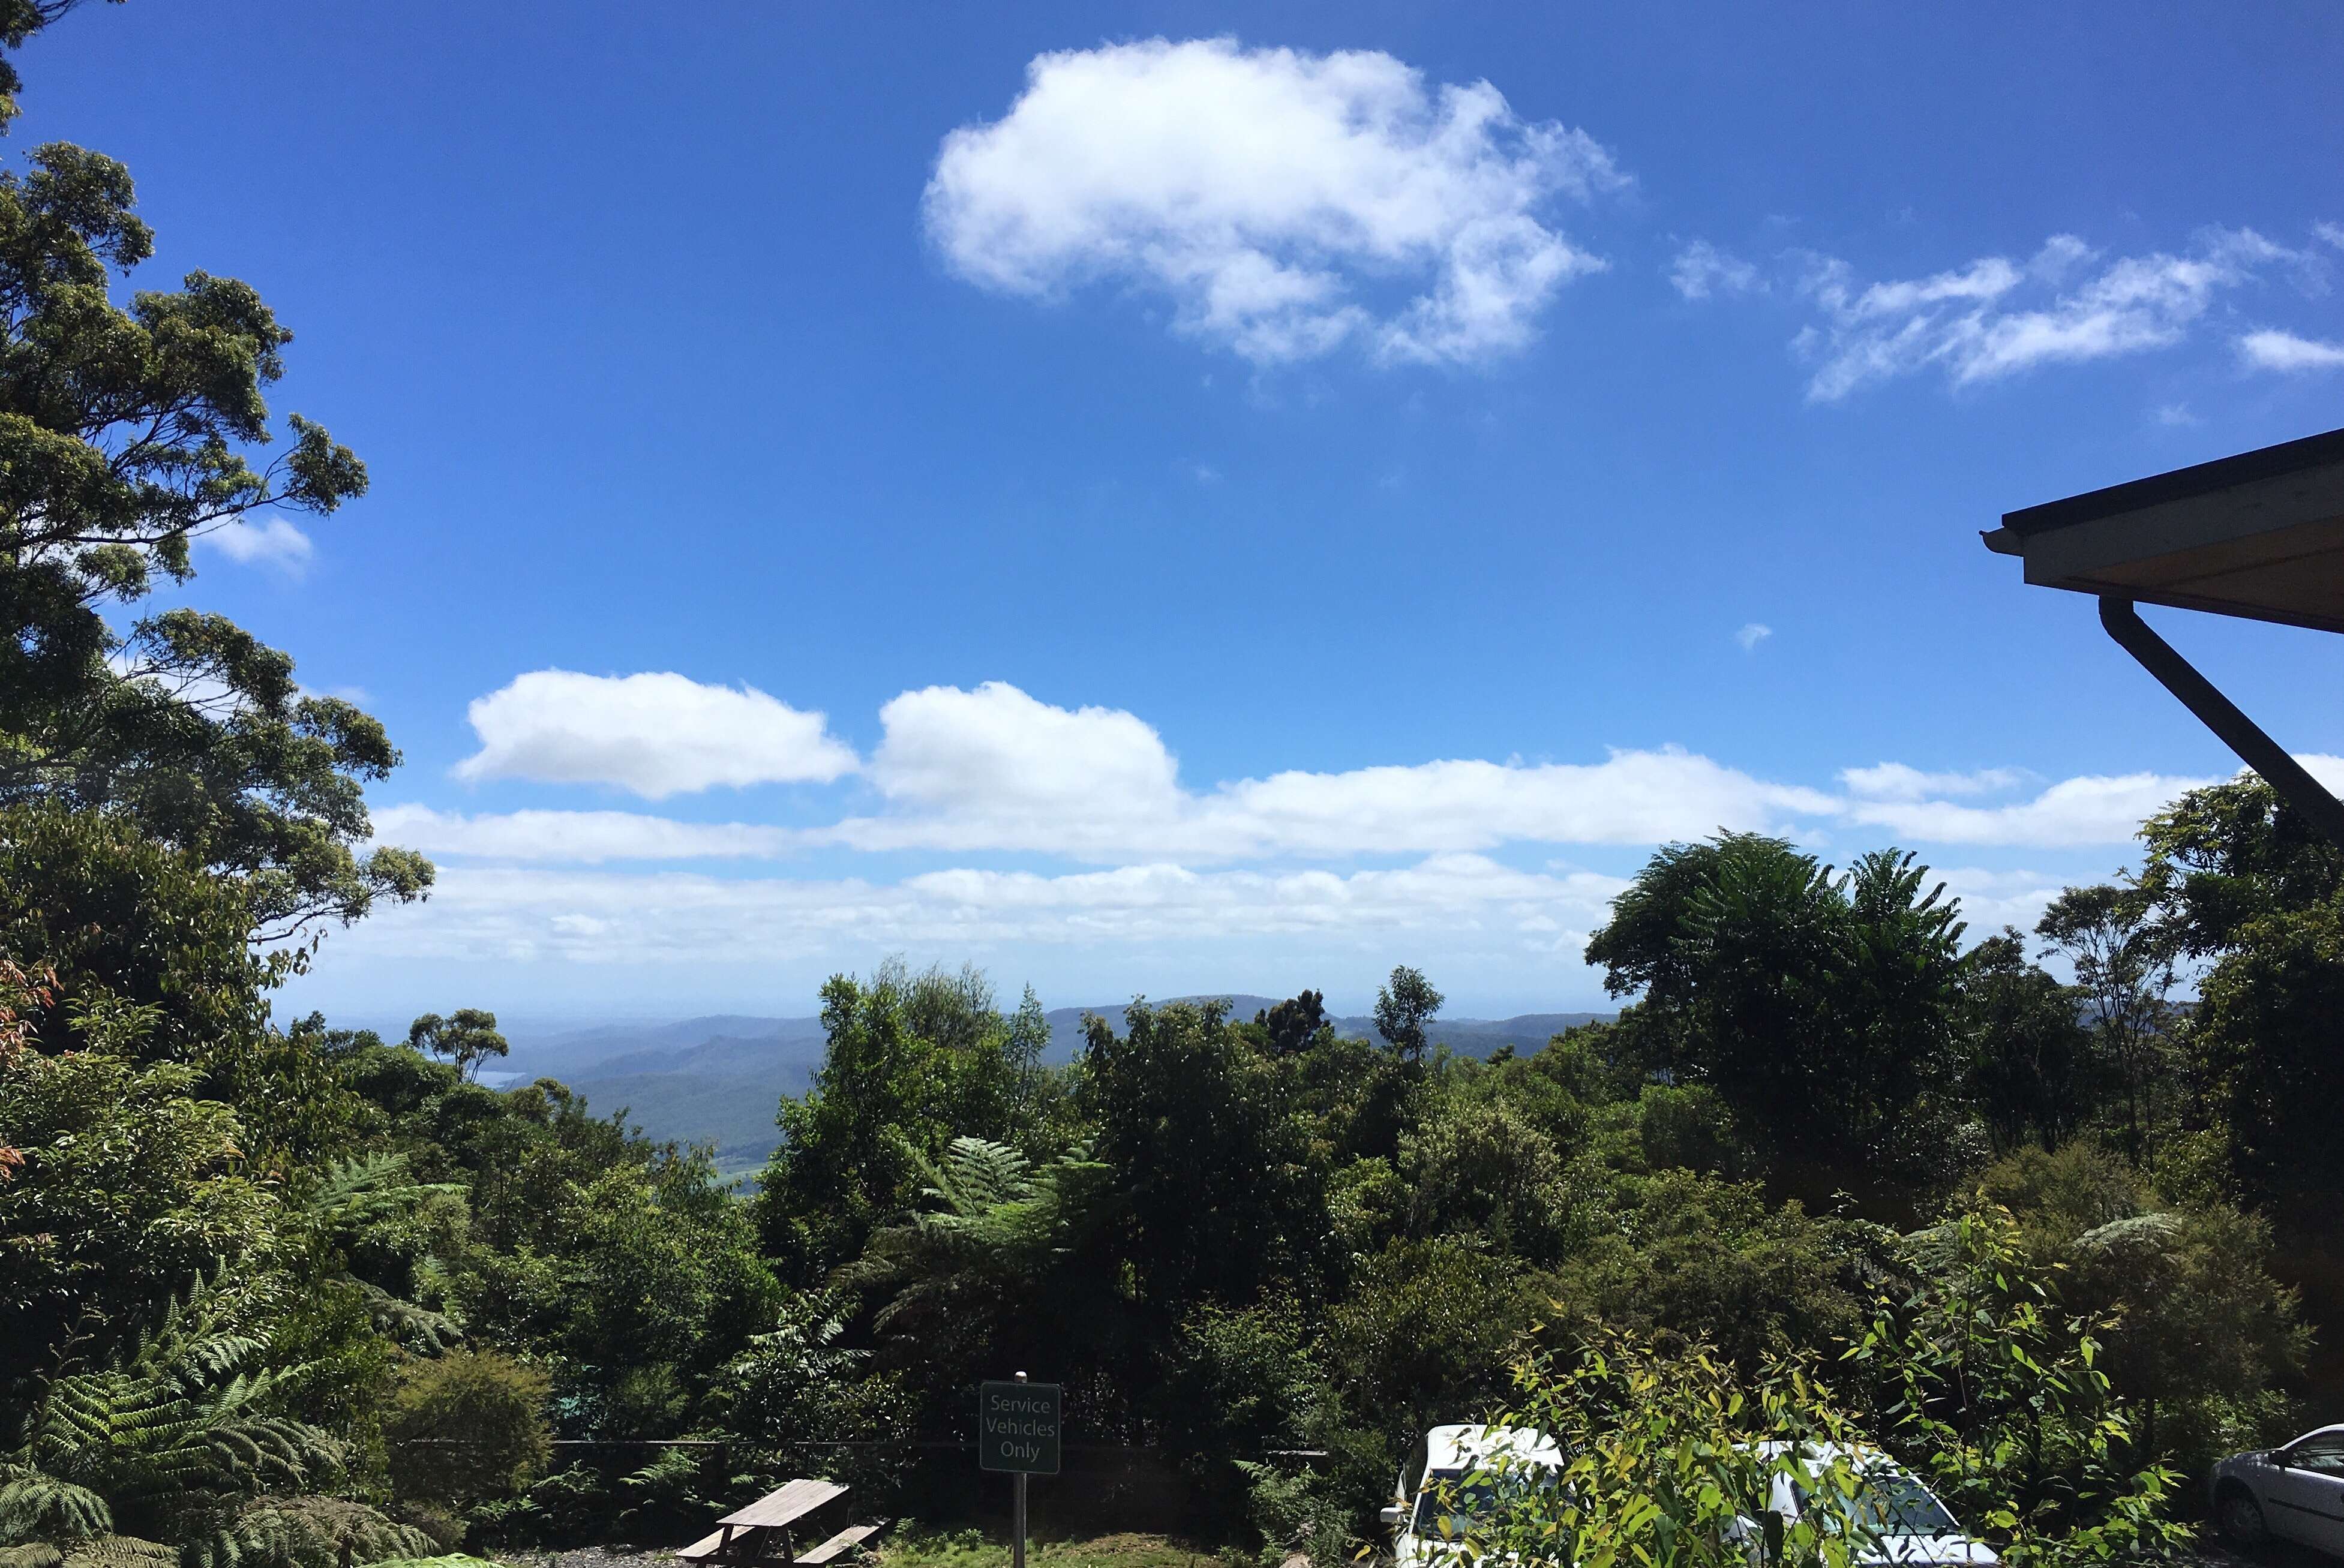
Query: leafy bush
x,y
1297,1512
1481,1168
796,1386
1996,1394
2197,1330
1662,1464
444,1529
1711,1260
469,1425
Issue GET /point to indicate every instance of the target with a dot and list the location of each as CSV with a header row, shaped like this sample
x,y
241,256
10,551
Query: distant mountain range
x,y
718,1080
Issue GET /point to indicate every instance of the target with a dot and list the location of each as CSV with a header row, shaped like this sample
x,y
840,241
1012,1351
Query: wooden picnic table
x,y
764,1533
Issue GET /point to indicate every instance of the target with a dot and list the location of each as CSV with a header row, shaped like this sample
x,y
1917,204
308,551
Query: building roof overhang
x,y
2259,535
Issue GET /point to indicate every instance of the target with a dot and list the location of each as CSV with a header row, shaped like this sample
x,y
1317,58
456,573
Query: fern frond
x,y
309,1532
360,1188
166,1436
38,1507
119,1552
418,1328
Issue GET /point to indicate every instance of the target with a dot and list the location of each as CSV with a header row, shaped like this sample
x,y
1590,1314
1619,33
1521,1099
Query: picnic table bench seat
x,y
846,1540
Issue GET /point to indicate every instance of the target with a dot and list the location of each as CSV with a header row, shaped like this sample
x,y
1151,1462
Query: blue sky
x,y
1159,497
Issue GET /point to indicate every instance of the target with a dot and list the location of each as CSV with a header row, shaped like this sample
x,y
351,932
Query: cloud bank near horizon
x,y
1439,858
1128,867
993,769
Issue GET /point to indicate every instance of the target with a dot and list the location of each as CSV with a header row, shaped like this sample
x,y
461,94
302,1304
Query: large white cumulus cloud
x,y
993,768
1287,203
654,734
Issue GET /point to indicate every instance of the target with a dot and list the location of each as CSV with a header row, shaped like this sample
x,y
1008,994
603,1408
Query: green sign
x,y
1017,1427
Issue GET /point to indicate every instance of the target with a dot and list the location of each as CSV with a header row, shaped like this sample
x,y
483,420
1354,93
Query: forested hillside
x,y
283,1294
714,1080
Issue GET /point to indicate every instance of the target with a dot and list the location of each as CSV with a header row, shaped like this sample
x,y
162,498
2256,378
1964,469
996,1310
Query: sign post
x,y
1017,1431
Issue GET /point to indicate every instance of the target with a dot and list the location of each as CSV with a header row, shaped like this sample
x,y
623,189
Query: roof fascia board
x,y
2264,506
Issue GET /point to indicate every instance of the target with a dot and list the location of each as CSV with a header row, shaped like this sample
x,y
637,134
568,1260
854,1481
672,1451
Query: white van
x,y
1908,1526
1454,1480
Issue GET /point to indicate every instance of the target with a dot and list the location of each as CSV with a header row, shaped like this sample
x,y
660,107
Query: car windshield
x,y
1893,1504
2322,1452
1452,1507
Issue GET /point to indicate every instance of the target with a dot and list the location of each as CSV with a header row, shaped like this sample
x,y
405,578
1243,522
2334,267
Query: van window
x,y
1449,1507
1893,1504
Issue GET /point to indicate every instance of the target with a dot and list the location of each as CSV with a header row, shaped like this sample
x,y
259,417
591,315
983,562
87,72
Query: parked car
x,y
2295,1491
1911,1527
1456,1479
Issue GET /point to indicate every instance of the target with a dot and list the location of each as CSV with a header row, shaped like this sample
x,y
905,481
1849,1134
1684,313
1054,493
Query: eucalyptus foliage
x,y
1668,1458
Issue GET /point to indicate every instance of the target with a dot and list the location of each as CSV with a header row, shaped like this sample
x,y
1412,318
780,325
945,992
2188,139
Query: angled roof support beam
x,y
2219,715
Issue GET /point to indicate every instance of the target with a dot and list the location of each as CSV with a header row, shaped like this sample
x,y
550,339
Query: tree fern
x,y
360,1190
357,1193
997,1223
302,1532
168,1437
419,1328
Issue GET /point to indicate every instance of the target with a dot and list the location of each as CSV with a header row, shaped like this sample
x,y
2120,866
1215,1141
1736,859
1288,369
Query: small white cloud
x,y
2286,352
1992,318
1895,781
654,734
2333,233
1751,635
2176,414
271,541
1701,270
1287,203
944,746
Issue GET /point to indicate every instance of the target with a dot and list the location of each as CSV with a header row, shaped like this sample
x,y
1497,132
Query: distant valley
x,y
717,1080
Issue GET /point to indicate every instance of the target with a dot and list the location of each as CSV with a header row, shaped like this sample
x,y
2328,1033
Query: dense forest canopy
x,y
283,1293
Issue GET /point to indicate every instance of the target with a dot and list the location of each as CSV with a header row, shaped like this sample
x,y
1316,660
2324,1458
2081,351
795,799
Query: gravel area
x,y
590,1557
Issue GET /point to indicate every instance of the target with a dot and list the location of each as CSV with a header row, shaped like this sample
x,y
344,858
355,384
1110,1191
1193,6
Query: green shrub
x,y
469,1425
1660,1443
